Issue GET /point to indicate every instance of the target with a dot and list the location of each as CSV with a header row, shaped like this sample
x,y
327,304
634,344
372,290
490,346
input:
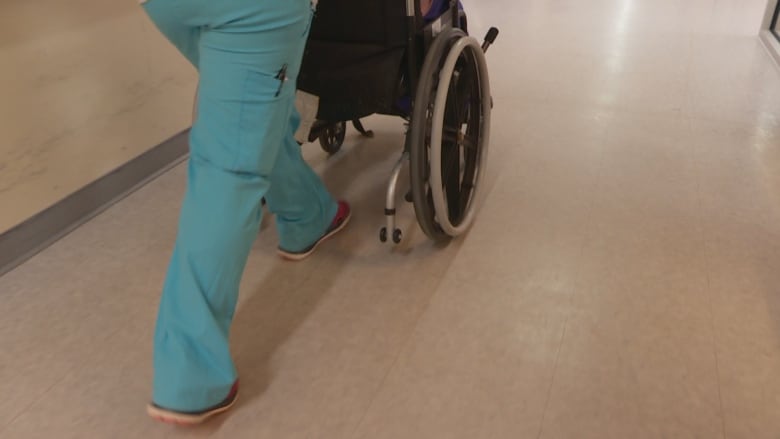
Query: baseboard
x,y
30,237
772,45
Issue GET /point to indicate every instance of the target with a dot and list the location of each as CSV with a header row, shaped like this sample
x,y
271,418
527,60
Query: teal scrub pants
x,y
241,150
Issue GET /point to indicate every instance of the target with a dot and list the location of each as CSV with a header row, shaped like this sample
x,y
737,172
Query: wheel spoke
x,y
451,180
451,134
469,142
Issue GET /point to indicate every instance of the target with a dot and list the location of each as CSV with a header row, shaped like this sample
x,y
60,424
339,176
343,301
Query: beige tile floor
x,y
622,281
86,85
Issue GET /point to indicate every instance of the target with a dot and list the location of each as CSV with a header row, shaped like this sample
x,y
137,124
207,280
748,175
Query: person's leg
x,y
243,117
304,208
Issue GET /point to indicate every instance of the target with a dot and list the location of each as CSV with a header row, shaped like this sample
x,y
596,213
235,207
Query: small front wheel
x,y
332,137
397,236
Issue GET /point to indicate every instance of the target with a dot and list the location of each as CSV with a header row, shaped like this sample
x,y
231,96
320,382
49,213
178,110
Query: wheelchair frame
x,y
430,88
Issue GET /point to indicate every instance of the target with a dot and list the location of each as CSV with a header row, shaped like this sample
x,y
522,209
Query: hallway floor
x,y
622,280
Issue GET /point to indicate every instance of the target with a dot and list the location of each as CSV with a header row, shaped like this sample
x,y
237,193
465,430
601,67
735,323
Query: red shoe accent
x,y
343,215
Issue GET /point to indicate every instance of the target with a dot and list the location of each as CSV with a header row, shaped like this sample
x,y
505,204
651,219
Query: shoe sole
x,y
295,257
183,419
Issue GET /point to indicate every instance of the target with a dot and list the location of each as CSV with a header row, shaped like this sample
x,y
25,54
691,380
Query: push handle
x,y
490,38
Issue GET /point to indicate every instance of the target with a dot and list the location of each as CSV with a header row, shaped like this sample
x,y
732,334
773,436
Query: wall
x,y
85,86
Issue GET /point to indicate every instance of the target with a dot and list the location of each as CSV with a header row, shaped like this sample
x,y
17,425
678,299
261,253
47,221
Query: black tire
x,y
332,137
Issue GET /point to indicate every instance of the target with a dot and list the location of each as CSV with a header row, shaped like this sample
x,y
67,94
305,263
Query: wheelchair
x,y
387,57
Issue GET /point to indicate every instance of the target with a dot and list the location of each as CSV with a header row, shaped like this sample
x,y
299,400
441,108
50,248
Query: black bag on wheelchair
x,y
354,56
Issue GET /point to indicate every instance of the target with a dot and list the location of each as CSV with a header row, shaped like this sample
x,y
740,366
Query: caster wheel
x,y
408,197
397,235
361,129
383,234
332,137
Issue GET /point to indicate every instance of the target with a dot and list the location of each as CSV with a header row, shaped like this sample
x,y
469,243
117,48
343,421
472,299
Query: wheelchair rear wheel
x,y
450,133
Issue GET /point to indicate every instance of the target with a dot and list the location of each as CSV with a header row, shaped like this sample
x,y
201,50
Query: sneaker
x,y
339,222
187,419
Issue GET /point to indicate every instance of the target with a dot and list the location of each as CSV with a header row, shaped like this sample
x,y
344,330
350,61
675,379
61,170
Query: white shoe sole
x,y
185,419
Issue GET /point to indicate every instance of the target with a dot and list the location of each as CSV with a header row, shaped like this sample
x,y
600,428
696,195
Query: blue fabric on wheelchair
x,y
438,8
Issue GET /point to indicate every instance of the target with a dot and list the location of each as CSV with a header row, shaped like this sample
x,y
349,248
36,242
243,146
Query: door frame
x,y
769,36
